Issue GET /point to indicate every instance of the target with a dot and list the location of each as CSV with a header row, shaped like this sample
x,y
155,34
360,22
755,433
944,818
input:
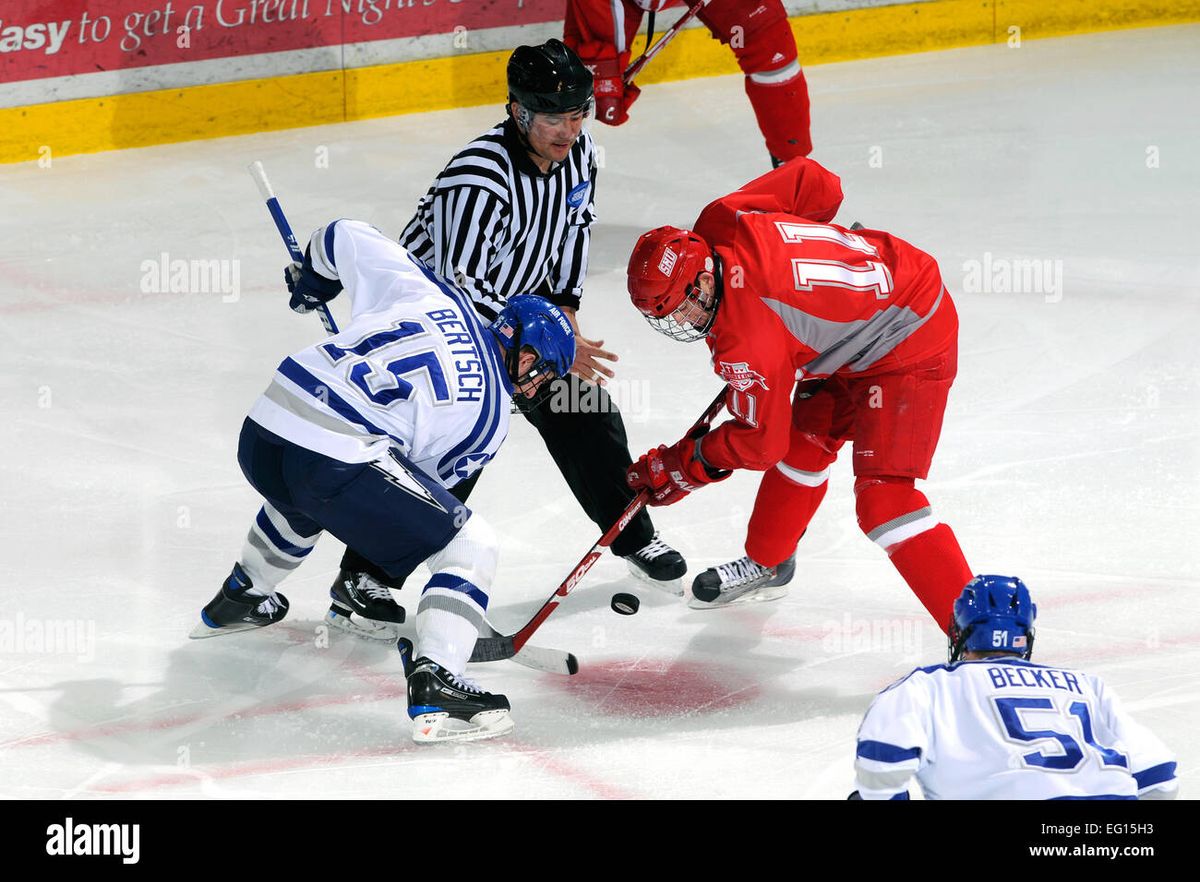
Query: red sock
x,y
782,511
935,569
782,111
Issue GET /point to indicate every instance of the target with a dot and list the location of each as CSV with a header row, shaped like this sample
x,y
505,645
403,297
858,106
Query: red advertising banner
x,y
51,39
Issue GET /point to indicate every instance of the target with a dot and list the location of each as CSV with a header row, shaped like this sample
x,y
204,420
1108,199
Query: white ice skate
x,y
741,581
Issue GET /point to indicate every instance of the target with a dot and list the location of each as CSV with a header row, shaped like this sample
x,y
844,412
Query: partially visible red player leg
x,y
790,492
787,499
894,445
898,517
762,40
597,29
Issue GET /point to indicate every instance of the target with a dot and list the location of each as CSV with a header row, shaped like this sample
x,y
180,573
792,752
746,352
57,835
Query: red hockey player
x,y
601,32
823,334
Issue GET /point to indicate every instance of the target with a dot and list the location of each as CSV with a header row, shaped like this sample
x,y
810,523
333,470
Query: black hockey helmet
x,y
549,79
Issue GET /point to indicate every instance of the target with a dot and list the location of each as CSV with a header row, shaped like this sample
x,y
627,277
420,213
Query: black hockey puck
x,y
625,604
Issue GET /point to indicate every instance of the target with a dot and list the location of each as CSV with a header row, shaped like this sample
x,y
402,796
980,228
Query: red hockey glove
x,y
613,96
671,473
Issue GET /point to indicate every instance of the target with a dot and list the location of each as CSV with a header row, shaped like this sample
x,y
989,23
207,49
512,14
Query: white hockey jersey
x,y
1005,728
415,368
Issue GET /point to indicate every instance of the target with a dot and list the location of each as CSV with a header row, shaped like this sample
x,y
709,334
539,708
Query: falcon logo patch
x,y
740,377
667,264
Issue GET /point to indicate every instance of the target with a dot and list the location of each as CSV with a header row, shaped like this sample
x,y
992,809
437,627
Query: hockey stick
x,y
285,230
507,646
636,67
538,658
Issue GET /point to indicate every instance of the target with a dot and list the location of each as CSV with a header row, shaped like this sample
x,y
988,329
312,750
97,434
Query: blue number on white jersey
x,y
414,369
366,377
1006,728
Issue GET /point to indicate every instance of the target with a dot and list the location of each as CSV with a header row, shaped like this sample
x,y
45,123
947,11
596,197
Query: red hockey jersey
x,y
806,298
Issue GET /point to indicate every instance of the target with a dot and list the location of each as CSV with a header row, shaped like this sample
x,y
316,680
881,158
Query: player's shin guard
x,y
899,519
455,599
781,106
787,499
274,547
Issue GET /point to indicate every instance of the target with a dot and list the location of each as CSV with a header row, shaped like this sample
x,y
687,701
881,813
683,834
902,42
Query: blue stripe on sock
x,y
264,524
457,583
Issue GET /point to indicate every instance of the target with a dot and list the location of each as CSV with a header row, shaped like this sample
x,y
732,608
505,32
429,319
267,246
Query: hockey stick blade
x,y
509,646
494,646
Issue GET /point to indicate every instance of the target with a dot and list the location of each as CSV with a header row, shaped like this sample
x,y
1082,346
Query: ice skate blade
x,y
367,629
674,587
202,631
439,727
762,595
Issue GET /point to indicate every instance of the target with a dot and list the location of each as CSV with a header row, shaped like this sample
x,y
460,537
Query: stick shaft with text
x,y
634,69
505,646
285,230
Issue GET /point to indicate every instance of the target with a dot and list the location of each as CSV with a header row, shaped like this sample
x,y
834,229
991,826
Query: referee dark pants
x,y
585,435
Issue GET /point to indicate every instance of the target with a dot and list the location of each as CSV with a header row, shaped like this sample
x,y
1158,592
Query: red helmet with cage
x,y
663,272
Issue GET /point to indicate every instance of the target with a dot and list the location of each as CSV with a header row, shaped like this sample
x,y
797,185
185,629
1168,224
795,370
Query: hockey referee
x,y
511,214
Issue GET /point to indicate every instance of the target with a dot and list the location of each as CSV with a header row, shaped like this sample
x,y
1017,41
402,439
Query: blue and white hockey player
x,y
994,725
364,434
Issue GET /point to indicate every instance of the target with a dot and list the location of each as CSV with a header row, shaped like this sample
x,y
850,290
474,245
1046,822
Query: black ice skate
x,y
444,707
741,581
660,565
233,609
360,594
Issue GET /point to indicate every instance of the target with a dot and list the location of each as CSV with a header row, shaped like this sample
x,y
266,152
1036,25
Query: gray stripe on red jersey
x,y
859,343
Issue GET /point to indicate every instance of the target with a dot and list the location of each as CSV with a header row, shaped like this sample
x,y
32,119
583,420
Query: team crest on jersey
x,y
465,466
740,377
578,194
667,264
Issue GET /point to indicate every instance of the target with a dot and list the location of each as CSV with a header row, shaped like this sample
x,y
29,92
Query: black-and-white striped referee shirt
x,y
498,226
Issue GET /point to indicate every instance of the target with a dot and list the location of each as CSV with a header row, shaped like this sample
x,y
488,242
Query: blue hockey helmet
x,y
993,613
529,321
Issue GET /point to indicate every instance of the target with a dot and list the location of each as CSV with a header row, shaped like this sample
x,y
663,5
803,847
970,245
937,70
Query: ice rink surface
x,y
1069,456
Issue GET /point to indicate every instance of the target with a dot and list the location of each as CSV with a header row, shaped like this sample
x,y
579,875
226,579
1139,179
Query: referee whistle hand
x,y
589,360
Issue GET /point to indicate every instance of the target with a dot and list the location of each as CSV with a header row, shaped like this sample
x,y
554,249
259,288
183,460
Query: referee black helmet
x,y
549,79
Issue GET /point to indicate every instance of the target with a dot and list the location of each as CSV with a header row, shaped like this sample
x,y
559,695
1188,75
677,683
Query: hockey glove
x,y
309,288
671,473
613,96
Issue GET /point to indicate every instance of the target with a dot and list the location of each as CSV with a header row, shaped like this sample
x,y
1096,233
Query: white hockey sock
x,y
455,599
273,549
